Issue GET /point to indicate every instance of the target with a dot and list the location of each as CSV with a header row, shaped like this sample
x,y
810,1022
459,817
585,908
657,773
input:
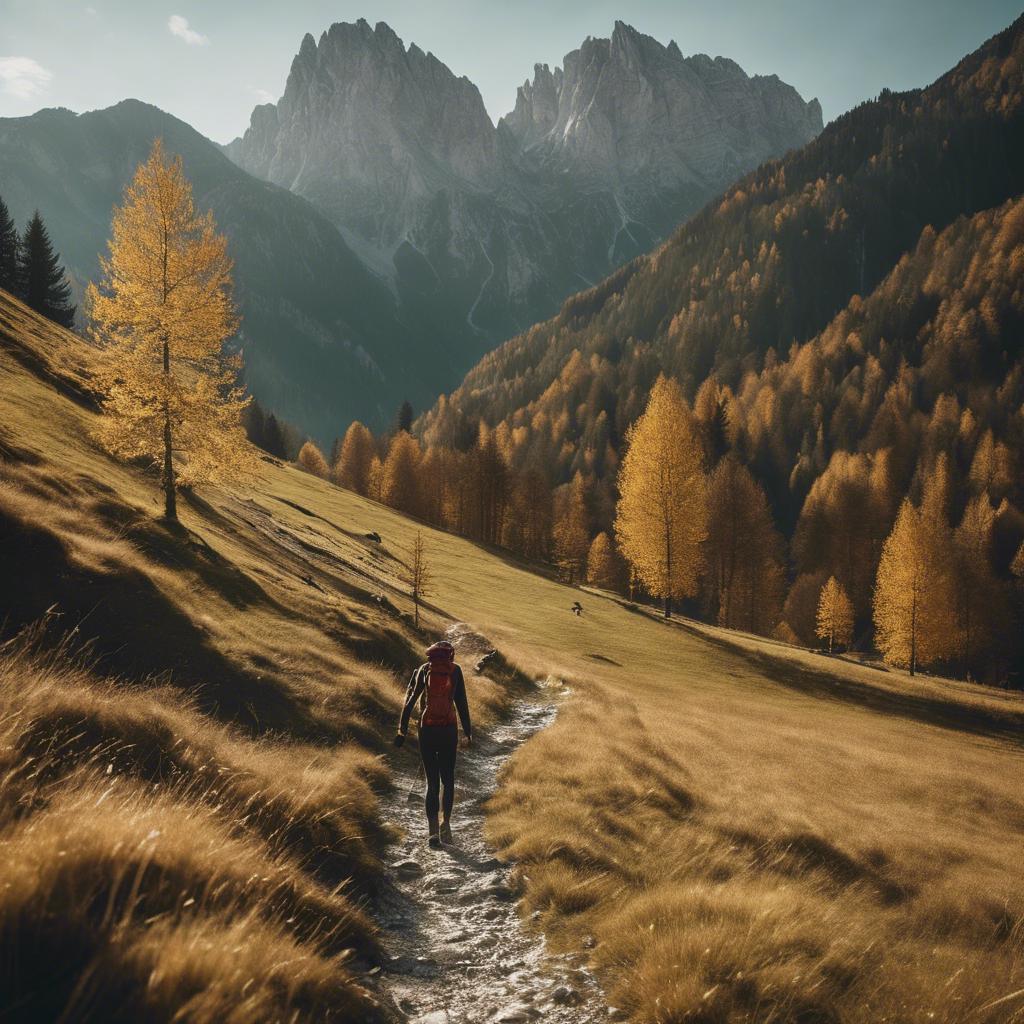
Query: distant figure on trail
x,y
577,609
440,688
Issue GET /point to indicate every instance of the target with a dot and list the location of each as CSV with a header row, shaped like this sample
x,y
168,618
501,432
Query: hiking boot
x,y
446,833
434,842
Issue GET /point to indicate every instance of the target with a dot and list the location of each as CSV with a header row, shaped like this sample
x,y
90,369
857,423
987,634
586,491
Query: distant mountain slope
x,y
769,265
320,333
482,229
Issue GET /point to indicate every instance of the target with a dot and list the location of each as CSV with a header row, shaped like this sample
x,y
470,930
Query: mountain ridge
x,y
478,233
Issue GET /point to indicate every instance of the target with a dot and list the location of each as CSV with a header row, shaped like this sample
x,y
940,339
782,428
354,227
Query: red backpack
x,y
439,704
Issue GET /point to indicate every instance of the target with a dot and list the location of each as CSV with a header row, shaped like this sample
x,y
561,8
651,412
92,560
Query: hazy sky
x,y
211,62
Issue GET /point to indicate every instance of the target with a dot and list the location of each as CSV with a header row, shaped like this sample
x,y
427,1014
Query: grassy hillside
x,y
738,830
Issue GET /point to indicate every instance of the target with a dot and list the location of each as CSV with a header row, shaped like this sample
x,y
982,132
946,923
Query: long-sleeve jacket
x,y
418,688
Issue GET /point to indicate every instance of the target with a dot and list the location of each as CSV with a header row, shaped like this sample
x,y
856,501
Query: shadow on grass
x,y
136,631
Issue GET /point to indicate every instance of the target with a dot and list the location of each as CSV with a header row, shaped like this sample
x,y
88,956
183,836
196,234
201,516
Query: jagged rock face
x,y
628,109
481,229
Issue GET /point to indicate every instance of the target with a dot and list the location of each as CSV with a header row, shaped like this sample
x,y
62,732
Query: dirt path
x,y
459,951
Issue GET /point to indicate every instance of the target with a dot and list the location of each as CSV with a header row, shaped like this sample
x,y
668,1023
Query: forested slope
x,y
845,322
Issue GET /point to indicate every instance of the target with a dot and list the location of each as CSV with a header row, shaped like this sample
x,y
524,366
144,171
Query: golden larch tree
x,y
418,576
980,600
352,468
604,567
312,460
571,533
835,615
162,313
661,516
375,479
744,584
400,477
914,592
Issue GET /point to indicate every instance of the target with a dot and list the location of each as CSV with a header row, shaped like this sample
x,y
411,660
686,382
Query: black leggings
x,y
438,746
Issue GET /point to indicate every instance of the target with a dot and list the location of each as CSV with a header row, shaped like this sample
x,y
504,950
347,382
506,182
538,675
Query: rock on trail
x,y
459,952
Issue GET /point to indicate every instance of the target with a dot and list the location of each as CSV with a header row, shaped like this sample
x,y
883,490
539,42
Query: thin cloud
x,y
179,27
23,77
264,95
91,11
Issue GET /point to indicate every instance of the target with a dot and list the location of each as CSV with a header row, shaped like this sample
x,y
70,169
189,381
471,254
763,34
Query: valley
x,y
686,780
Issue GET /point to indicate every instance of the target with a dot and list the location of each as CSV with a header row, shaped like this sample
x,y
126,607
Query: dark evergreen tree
x,y
718,433
255,421
273,438
41,279
404,420
8,250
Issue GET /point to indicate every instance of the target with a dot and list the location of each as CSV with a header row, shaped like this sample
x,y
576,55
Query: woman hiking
x,y
440,688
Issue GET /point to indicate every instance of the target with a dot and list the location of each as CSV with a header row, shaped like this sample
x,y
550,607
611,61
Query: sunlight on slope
x,y
742,830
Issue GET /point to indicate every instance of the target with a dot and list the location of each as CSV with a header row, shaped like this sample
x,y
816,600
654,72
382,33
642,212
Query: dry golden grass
x,y
749,832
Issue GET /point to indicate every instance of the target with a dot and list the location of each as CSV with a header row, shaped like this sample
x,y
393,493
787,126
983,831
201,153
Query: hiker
x,y
440,688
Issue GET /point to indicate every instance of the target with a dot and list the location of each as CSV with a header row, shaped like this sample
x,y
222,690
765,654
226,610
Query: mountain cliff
x,y
482,229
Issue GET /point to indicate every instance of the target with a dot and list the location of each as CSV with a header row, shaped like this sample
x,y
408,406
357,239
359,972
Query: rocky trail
x,y
460,953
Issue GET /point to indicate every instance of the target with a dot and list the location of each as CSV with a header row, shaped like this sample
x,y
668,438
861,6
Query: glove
x,y
399,739
467,742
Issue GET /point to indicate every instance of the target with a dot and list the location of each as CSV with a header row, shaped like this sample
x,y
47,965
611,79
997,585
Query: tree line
x,y
30,268
692,527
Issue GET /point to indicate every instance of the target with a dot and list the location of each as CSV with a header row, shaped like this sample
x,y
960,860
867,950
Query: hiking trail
x,y
460,953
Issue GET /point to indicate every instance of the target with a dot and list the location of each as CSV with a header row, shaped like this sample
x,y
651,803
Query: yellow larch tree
x,y
352,469
914,600
400,476
375,479
661,516
162,313
980,600
835,615
604,567
312,460
418,575
744,584
571,533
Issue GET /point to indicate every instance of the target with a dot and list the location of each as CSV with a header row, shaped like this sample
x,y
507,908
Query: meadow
x,y
736,829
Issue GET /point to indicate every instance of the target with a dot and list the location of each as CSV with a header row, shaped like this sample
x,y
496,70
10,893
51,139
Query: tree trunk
x,y
170,497
668,607
913,635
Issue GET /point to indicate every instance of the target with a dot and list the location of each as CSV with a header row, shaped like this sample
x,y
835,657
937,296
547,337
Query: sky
x,y
210,62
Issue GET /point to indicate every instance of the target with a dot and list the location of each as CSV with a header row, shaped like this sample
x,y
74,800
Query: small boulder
x,y
409,869
566,996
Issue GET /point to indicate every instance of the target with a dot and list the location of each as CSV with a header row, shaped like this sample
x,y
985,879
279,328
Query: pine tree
x,y
312,460
604,567
403,421
273,438
418,576
352,468
661,515
400,479
9,243
835,615
914,593
572,532
163,313
42,283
